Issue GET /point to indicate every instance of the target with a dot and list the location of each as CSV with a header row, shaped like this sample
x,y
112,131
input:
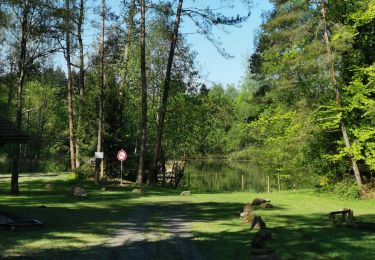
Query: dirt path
x,y
154,232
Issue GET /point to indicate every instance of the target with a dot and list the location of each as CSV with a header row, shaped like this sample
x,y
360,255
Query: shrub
x,y
347,188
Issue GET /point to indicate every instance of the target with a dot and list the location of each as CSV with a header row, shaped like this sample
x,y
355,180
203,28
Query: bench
x,y
346,214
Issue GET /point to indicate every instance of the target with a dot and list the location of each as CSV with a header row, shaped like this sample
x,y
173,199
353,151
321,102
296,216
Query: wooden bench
x,y
346,214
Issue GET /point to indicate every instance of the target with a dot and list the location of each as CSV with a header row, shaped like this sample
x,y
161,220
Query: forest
x,y
305,107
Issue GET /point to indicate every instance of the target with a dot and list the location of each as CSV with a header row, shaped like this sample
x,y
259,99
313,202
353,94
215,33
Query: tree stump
x,y
259,201
247,215
266,205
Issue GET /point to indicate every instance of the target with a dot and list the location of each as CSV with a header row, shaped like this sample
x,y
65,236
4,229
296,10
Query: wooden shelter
x,y
9,133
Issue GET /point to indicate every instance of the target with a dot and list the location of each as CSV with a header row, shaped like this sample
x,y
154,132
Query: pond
x,y
224,175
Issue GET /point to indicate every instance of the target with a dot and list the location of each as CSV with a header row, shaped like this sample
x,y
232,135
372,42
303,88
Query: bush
x,y
347,188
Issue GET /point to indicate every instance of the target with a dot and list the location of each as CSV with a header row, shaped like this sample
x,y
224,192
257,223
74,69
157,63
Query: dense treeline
x,y
305,108
313,76
135,87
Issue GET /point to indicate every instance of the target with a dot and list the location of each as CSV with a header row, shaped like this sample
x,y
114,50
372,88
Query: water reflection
x,y
224,175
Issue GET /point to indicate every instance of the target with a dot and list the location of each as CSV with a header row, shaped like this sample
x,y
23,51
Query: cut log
x,y
259,201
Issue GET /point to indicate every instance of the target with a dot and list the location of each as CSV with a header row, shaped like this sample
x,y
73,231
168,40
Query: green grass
x,y
299,221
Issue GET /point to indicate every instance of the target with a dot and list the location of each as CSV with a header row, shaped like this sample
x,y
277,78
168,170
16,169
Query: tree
x,y
81,82
143,126
332,73
163,104
99,147
36,27
67,52
208,19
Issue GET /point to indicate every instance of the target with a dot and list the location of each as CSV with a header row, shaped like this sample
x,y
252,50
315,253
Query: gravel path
x,y
167,238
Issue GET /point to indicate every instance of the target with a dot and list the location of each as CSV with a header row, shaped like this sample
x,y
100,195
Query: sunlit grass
x,y
299,220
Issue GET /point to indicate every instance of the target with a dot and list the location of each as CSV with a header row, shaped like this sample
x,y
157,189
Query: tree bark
x,y
143,136
99,147
10,90
355,167
163,105
130,25
14,189
81,81
70,86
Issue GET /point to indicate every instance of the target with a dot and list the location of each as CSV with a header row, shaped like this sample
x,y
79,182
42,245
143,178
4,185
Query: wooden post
x,y
242,182
278,181
101,168
268,183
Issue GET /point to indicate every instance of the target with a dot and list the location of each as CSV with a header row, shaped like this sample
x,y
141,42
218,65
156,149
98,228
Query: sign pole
x,y
121,156
121,173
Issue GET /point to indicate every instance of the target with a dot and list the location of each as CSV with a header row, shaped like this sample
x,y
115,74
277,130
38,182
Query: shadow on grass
x,y
84,228
294,236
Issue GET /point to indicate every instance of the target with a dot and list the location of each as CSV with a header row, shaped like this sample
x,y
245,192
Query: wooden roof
x,y
9,133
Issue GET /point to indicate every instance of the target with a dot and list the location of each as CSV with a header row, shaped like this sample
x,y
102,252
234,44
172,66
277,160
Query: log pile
x,y
259,249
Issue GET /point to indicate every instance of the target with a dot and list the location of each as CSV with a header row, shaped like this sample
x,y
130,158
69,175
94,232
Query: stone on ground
x,y
138,191
49,186
78,192
185,193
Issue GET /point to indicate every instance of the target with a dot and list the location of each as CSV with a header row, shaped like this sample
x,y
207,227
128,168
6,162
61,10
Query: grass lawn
x,y
299,220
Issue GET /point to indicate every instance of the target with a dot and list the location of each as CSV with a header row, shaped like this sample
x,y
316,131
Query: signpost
x,y
99,162
99,155
121,156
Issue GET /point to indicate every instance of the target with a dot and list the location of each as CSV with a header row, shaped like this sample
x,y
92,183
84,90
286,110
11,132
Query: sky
x,y
237,41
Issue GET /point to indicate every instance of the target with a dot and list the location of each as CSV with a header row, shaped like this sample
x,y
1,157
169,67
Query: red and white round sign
x,y
121,155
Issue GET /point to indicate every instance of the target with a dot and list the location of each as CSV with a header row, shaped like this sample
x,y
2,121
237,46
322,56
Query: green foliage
x,y
291,69
284,116
347,189
360,101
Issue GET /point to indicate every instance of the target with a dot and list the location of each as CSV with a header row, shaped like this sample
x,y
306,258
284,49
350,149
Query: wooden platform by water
x,y
173,173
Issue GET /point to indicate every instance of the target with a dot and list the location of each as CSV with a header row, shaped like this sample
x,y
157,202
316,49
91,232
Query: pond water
x,y
224,175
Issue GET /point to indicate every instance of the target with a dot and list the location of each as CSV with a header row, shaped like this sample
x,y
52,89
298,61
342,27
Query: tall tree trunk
x,y
130,25
143,136
14,189
70,87
357,173
163,105
10,90
99,147
81,81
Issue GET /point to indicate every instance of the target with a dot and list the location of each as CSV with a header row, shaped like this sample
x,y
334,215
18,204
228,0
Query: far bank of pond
x,y
229,175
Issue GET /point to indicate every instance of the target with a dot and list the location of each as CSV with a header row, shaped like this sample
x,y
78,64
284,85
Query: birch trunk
x,y
356,170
